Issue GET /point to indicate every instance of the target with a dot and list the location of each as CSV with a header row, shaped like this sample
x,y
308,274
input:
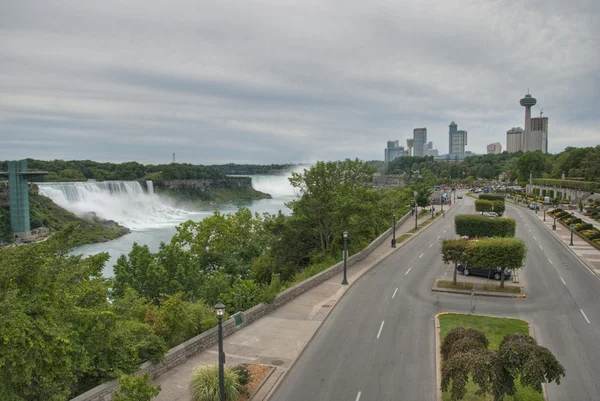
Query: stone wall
x,y
203,341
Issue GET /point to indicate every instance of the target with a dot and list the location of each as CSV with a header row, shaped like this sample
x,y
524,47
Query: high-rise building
x,y
514,139
429,145
494,148
527,102
539,134
457,140
409,145
393,151
420,139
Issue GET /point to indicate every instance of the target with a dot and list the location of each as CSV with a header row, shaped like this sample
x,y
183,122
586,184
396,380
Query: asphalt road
x,y
378,343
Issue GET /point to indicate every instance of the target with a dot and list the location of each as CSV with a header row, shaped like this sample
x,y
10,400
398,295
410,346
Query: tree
x,y
136,388
490,253
534,163
454,251
423,197
465,355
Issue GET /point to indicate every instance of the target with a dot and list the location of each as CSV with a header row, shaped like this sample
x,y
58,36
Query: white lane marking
x,y
583,313
421,255
541,248
550,261
438,237
358,396
407,271
395,291
444,230
449,226
430,245
534,238
529,230
380,328
561,279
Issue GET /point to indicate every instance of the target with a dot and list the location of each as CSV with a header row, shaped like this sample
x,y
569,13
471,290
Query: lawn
x,y
460,285
402,238
513,289
495,329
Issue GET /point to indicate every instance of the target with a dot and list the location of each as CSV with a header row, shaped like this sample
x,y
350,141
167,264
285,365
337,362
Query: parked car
x,y
533,205
489,273
491,214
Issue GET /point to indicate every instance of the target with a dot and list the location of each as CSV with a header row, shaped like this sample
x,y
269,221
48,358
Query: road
x,y
378,343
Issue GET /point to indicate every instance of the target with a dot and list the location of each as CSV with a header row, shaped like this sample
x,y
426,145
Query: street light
x,y
345,281
220,311
394,231
544,212
572,227
554,216
442,203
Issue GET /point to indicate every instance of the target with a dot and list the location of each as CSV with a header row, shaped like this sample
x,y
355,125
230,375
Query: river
x,y
151,218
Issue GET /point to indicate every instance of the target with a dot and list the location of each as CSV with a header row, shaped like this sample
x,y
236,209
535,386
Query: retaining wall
x,y
204,341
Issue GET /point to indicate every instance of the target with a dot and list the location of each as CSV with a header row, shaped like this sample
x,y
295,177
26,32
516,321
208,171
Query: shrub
x,y
481,226
484,205
243,373
499,207
136,388
204,385
591,234
583,226
491,197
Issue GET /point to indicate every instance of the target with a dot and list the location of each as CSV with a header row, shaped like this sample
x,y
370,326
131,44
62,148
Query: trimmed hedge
x,y
491,197
481,226
484,205
571,184
497,252
499,207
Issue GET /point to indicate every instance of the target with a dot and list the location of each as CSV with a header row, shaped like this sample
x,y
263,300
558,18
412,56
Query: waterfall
x,y
125,202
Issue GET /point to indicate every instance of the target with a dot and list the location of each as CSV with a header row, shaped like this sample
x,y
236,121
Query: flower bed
x,y
258,373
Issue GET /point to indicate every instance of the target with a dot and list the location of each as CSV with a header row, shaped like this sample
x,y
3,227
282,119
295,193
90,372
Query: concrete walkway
x,y
587,253
278,338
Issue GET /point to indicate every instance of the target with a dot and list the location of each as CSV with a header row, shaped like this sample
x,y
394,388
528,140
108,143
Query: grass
x,y
495,329
402,238
460,285
507,288
414,230
469,194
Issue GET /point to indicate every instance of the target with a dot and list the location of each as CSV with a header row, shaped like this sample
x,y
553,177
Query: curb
x,y
350,284
262,383
477,293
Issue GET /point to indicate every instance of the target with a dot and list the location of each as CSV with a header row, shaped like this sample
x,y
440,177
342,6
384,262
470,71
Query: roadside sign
x,y
572,227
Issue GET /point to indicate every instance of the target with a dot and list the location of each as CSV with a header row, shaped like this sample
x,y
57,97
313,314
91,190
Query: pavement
x,y
378,343
278,338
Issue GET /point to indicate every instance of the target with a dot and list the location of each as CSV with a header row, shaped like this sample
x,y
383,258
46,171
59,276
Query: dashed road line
x,y
358,396
541,248
534,238
549,260
438,237
395,291
583,313
381,327
407,271
430,245
561,279
421,255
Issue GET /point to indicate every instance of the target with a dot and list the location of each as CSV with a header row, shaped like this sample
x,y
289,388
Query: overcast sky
x,y
274,81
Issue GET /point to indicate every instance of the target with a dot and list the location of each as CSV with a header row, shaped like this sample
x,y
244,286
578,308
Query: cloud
x,y
280,81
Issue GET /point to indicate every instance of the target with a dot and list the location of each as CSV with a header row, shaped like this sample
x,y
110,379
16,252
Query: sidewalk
x,y
278,338
589,255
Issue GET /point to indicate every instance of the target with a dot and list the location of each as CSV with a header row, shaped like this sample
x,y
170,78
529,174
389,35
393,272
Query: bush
x,y
491,197
583,226
591,234
484,205
204,385
481,226
499,207
243,372
136,388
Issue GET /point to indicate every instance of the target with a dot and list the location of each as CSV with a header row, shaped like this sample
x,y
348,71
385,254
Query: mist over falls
x,y
125,202
278,186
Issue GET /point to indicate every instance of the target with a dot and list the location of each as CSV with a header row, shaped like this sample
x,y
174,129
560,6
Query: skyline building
x,y
514,139
539,134
494,148
393,151
457,140
528,101
409,145
420,140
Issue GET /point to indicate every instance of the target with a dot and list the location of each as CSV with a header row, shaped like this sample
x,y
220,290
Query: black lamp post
x,y
414,205
394,231
554,216
442,203
432,207
345,281
544,212
220,311
572,227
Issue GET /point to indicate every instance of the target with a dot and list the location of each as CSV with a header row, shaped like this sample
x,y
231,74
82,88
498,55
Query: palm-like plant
x,y
204,385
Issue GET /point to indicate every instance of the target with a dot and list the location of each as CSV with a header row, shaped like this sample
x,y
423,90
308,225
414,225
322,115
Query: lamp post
x,y
413,204
572,227
220,311
442,203
345,281
544,212
394,231
554,216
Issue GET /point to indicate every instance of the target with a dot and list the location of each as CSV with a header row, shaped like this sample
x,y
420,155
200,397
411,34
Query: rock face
x,y
388,181
230,182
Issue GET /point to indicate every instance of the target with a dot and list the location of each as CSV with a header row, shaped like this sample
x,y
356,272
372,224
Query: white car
x,y
490,214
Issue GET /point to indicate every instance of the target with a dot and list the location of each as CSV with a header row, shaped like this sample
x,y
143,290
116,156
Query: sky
x,y
279,81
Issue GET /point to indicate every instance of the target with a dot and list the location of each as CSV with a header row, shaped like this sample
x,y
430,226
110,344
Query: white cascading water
x,y
125,202
278,186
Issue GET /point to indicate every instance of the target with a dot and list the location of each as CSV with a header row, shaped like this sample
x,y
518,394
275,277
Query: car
x,y
458,196
533,205
489,273
490,214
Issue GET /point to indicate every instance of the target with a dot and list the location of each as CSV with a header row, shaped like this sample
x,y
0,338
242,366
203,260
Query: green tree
x,y
423,197
454,251
491,253
136,388
465,355
534,163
